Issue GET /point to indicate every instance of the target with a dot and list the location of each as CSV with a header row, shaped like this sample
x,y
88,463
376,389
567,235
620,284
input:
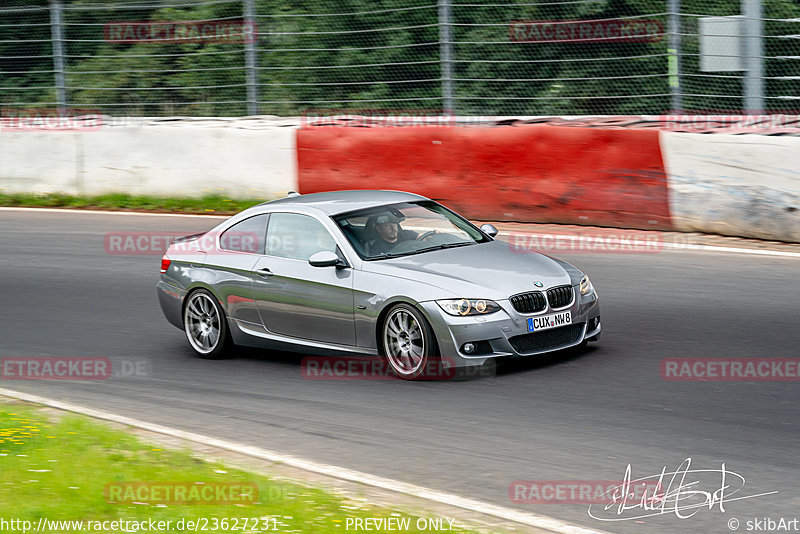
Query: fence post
x,y
752,13
57,33
446,56
250,58
674,54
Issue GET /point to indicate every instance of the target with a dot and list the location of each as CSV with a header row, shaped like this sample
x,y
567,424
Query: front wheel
x,y
205,325
407,342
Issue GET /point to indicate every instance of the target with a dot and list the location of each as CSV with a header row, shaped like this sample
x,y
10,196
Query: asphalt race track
x,y
574,417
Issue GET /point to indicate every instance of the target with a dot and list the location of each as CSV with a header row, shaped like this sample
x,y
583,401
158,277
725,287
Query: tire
x,y
205,325
407,343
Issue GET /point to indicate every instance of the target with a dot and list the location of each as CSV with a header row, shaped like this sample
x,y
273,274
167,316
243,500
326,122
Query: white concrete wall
x,y
38,161
151,159
741,185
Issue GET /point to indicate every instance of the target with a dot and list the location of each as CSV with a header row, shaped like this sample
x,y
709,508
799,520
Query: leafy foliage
x,y
379,54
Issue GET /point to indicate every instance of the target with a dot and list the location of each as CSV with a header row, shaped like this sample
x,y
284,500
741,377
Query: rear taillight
x,y
165,261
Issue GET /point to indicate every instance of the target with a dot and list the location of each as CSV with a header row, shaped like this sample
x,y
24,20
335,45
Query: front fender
x,y
375,293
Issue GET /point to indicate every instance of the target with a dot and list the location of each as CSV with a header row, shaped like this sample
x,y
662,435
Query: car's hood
x,y
491,270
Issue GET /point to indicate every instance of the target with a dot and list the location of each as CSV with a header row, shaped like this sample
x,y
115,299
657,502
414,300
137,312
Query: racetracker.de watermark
x,y
715,121
587,242
156,243
72,368
376,368
406,118
586,31
415,118
49,119
186,31
731,369
581,491
183,493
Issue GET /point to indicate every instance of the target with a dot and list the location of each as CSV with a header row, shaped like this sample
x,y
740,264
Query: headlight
x,y
468,306
586,286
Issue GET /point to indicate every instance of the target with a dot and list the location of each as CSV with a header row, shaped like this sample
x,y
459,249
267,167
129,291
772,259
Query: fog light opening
x,y
468,348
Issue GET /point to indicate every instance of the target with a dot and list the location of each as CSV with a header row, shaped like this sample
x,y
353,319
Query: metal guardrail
x,y
250,57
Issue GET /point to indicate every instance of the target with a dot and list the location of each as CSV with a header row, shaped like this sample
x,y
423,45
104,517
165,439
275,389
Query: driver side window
x,y
296,236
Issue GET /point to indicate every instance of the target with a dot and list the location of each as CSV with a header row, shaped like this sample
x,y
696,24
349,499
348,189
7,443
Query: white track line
x,y
101,212
533,520
667,245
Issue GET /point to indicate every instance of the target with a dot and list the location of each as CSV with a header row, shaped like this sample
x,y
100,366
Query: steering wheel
x,y
426,235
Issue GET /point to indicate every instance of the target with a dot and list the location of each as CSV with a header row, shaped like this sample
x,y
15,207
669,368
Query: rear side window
x,y
296,236
246,236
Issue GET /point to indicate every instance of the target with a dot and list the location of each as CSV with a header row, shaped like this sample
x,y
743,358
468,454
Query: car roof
x,y
337,202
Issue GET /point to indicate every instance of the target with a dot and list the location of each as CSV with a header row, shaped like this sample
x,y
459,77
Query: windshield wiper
x,y
459,244
387,255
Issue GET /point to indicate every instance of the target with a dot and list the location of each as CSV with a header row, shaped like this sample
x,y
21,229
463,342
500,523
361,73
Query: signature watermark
x,y
682,492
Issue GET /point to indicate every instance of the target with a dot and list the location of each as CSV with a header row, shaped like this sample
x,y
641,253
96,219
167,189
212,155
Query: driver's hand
x,y
427,235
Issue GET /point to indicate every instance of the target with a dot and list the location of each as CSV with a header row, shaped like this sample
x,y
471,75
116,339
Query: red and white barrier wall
x,y
616,171
744,185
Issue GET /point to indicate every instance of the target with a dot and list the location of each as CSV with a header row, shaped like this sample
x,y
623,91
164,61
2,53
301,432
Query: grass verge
x,y
207,205
71,469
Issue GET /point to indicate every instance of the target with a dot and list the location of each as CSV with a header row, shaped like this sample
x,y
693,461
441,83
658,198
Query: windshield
x,y
406,228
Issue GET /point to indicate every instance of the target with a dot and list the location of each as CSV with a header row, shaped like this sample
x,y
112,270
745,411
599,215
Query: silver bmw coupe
x,y
372,272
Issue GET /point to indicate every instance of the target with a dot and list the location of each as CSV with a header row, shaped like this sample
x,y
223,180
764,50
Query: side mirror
x,y
324,258
489,230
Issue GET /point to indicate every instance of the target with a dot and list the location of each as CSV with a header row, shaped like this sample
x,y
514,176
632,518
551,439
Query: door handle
x,y
264,271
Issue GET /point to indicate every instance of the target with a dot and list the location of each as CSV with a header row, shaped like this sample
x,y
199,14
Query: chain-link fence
x,y
548,57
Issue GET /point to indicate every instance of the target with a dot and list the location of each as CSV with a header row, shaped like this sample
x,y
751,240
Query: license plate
x,y
546,322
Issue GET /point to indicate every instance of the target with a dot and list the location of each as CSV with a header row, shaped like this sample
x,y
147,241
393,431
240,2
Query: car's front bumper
x,y
505,332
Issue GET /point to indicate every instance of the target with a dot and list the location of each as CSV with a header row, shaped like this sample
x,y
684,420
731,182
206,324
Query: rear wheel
x,y
407,342
205,325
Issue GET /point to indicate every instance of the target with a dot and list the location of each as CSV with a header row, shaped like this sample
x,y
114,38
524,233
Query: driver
x,y
389,234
